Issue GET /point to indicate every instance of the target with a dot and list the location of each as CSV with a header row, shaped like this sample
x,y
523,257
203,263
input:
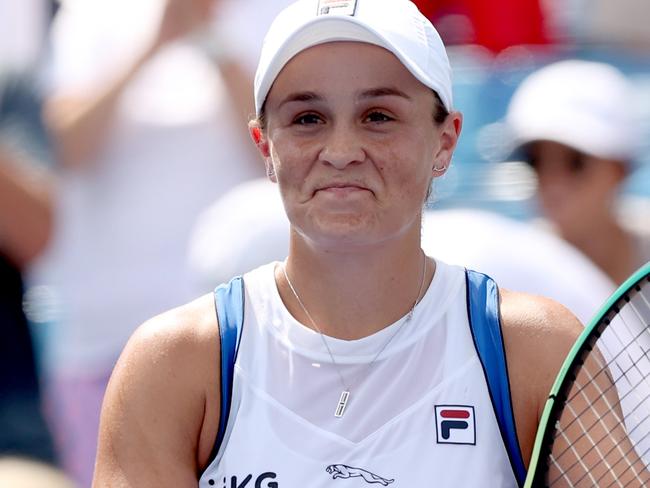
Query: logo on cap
x,y
337,7
455,424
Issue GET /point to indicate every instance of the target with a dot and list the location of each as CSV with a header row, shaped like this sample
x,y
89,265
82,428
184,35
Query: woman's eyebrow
x,y
305,96
384,91
310,96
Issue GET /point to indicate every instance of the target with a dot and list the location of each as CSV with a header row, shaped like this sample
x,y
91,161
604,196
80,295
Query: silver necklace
x,y
347,387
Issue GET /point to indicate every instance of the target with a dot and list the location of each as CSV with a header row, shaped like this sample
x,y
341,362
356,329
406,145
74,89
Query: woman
x,y
357,360
582,147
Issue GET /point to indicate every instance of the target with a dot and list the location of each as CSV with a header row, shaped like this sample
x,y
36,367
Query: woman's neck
x,y
356,293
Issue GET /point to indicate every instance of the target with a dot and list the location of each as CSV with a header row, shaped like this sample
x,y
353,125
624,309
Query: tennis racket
x,y
595,428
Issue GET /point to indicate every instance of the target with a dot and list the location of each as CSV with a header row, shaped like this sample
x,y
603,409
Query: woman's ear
x,y
259,138
448,134
262,144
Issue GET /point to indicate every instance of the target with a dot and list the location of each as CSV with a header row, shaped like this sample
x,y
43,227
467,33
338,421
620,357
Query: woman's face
x,y
576,191
352,141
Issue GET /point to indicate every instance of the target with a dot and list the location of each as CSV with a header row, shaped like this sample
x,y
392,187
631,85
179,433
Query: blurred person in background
x,y
145,108
574,122
27,191
519,255
23,30
623,24
26,220
496,25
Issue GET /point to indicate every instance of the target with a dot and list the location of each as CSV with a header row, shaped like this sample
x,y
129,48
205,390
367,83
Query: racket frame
x,y
560,389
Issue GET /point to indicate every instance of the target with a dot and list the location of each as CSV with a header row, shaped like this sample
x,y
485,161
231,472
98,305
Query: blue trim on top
x,y
229,302
483,311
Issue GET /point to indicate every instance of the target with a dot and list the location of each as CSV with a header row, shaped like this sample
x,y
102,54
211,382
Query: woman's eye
x,y
307,119
577,163
378,117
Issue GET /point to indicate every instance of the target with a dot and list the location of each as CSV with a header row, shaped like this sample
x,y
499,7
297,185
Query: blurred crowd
x,y
128,184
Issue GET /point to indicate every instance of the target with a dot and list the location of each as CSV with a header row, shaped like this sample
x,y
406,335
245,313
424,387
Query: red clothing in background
x,y
496,24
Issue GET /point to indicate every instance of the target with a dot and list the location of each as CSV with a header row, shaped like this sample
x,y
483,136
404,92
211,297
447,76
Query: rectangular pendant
x,y
343,402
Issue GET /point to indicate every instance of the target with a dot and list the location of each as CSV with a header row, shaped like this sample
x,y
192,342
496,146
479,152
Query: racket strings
x,y
635,445
604,369
564,470
606,454
594,443
601,420
612,407
631,466
615,465
623,453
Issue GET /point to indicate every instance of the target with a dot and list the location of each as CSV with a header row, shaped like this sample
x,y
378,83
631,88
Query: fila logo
x,y
455,424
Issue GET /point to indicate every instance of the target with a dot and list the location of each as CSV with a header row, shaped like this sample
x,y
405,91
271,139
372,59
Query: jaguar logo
x,y
342,471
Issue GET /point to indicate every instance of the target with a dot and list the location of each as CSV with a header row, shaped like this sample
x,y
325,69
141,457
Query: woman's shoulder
x,y
191,323
526,313
164,386
538,333
178,349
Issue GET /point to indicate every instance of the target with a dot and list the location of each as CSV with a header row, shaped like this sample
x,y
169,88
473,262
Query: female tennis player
x,y
359,360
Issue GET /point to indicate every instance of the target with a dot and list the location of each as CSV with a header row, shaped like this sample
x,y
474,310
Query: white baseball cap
x,y
585,105
396,25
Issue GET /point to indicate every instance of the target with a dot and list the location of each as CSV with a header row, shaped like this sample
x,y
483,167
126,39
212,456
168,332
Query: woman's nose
x,y
342,147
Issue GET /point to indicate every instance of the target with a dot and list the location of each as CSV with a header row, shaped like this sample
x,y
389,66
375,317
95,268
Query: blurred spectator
x,y
500,24
518,256
496,25
148,107
622,24
22,32
25,227
573,121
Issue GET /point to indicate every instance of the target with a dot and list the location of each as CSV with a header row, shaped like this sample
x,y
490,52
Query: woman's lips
x,y
342,190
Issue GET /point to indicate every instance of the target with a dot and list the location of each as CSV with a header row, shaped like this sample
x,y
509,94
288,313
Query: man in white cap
x,y
573,122
358,360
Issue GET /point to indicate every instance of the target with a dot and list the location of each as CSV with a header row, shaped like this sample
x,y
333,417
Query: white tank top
x,y
419,415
